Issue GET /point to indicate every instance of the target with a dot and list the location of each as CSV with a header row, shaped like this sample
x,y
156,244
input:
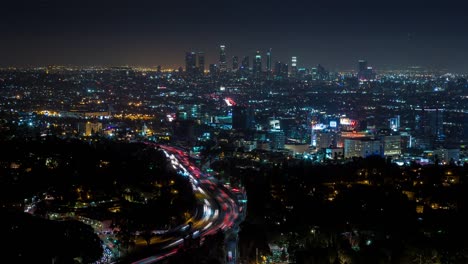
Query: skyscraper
x,y
362,66
201,62
293,67
245,62
269,68
430,127
213,69
244,69
190,62
434,121
281,70
365,72
257,64
269,61
394,123
322,73
235,63
222,58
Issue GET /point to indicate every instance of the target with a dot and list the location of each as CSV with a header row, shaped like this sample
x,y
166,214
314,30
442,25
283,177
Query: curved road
x,y
217,210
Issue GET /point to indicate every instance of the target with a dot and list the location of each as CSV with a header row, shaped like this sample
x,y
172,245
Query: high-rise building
x,y
365,72
242,117
293,66
394,123
322,73
257,64
302,72
189,111
245,62
222,58
361,147
435,121
447,155
429,126
190,62
244,69
362,66
391,145
281,70
277,139
274,123
201,62
213,69
268,66
278,68
406,140
235,63
325,139
314,73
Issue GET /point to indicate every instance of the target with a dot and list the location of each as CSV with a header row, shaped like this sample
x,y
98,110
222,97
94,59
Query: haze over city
x,y
393,34
234,132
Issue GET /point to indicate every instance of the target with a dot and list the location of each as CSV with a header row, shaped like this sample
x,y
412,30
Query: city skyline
x,y
143,33
231,132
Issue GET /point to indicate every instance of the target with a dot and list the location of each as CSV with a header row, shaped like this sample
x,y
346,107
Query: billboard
x,y
319,126
348,122
275,125
345,121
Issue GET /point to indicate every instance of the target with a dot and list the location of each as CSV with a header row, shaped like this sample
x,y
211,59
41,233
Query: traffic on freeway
x,y
217,210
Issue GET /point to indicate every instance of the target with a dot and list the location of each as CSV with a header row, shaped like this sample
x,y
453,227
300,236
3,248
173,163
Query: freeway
x,y
218,209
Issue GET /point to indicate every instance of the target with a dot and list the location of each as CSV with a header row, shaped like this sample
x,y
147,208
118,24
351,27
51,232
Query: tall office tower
x,y
190,62
235,63
362,66
430,128
257,64
222,58
322,73
394,123
314,73
268,66
293,67
281,70
201,62
278,68
245,62
434,121
269,69
244,69
365,72
213,69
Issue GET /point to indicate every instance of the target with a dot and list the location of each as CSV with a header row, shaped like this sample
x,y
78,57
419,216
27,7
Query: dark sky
x,y
334,33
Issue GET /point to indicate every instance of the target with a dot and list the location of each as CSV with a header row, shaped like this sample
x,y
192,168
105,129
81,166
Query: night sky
x,y
388,33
